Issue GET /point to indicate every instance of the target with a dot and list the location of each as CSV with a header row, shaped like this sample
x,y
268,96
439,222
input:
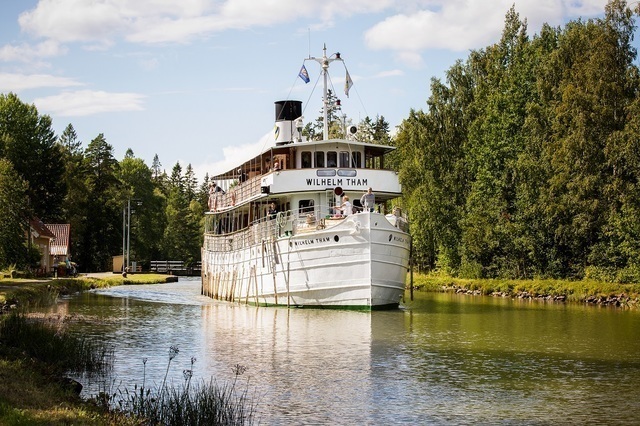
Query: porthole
x,y
336,238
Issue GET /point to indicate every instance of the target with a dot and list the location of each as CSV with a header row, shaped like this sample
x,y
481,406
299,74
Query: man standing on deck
x,y
368,200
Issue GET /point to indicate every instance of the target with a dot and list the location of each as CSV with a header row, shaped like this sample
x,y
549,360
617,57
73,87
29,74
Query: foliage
x,y
577,291
192,404
14,212
183,218
99,242
28,142
526,162
48,342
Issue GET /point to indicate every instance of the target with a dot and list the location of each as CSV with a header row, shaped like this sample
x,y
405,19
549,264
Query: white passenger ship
x,y
305,254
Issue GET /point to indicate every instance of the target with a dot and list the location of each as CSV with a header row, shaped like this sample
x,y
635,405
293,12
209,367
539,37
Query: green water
x,y
442,359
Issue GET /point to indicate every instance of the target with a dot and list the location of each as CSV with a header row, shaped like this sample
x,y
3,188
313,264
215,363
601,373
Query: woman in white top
x,y
345,207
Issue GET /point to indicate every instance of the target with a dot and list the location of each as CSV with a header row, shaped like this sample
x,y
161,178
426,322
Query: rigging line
x,y
353,86
308,102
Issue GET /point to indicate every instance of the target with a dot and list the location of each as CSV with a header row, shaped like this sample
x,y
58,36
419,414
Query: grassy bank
x,y
585,291
22,293
33,358
36,355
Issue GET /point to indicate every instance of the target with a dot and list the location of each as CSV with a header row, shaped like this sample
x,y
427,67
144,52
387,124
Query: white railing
x,y
282,224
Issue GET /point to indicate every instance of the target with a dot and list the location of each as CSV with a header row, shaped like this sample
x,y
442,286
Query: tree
x,y
148,204
29,143
190,183
314,131
525,163
14,216
182,237
102,235
75,207
69,140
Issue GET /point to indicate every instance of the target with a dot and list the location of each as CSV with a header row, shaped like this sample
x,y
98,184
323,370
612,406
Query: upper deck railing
x,y
282,224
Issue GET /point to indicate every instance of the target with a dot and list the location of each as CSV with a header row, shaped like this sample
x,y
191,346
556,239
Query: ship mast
x,y
324,63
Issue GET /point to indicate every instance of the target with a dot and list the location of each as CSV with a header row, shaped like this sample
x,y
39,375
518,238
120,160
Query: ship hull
x,y
361,262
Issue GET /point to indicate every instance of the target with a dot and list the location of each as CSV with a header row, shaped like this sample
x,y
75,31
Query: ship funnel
x,y
286,130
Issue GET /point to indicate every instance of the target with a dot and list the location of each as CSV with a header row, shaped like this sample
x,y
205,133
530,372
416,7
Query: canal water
x,y
441,359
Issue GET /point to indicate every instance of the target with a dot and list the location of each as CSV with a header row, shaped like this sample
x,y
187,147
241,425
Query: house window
x,y
319,159
332,159
305,157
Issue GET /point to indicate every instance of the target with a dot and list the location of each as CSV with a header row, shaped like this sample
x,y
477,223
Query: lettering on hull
x,y
331,182
310,241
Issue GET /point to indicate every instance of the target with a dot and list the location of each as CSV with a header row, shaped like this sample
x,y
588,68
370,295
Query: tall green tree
x,y
75,207
102,237
182,238
14,216
29,143
148,204
524,164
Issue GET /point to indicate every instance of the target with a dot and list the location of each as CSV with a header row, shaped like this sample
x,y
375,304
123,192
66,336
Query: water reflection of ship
x,y
303,362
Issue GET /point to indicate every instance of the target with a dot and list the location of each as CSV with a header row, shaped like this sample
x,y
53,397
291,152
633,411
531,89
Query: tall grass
x,y
203,403
49,343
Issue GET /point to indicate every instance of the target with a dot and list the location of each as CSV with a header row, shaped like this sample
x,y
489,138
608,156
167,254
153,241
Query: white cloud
x,y
159,21
18,82
460,25
88,102
233,156
410,26
27,53
390,73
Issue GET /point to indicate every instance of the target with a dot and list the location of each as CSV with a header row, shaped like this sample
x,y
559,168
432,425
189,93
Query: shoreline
x,y
36,392
24,292
592,293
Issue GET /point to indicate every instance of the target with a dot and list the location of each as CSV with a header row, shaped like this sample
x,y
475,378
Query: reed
x,y
48,342
202,403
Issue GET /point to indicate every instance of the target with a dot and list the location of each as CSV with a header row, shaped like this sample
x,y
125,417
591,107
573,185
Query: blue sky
x,y
195,81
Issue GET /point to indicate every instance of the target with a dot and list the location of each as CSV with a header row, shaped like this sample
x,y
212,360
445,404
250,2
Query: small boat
x,y
281,230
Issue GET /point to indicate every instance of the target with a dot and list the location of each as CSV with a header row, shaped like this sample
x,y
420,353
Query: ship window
x,y
356,159
344,159
332,159
305,157
347,173
325,172
319,159
305,206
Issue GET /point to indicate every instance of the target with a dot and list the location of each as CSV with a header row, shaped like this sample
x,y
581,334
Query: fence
x,y
175,267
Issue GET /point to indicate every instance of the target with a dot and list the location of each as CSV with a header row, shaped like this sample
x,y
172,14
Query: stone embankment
x,y
621,300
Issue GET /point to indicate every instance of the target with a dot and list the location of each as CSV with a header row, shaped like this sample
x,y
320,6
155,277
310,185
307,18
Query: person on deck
x,y
368,200
272,212
345,208
213,195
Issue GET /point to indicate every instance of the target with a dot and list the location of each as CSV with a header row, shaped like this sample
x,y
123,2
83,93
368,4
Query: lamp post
x,y
126,234
124,237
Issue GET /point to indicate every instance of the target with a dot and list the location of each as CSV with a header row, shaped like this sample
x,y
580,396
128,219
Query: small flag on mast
x,y
347,84
303,74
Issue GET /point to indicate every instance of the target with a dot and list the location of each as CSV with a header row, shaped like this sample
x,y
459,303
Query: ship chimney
x,y
286,113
